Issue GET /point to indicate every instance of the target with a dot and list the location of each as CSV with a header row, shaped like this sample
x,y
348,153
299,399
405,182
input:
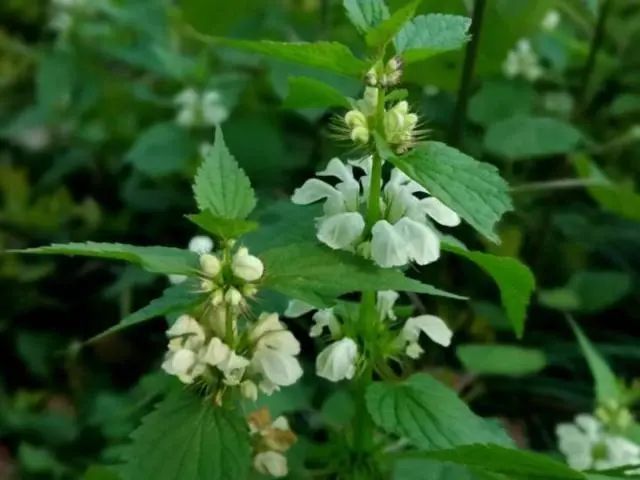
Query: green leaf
x,y
506,360
189,438
55,81
427,413
515,464
421,469
383,32
523,137
429,35
161,149
175,300
317,274
606,384
220,185
226,228
97,472
588,292
514,279
307,92
365,14
474,190
332,56
153,259
500,99
622,199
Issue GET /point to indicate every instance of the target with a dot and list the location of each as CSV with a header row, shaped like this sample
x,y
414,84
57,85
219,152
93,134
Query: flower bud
x,y
246,267
371,78
217,298
249,290
210,264
206,285
249,390
233,297
355,118
201,244
360,135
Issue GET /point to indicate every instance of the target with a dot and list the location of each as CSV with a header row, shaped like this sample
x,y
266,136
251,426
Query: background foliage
x,y
90,149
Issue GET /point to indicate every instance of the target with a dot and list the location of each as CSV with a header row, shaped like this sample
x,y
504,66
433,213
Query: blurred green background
x,y
105,104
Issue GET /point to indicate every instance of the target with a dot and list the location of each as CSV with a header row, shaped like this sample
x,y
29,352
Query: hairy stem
x,y
373,204
460,115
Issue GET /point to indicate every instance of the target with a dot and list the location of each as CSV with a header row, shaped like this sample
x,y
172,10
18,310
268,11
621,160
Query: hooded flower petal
x,y
278,368
313,190
297,308
386,300
217,352
340,231
440,212
338,360
325,318
247,267
388,247
432,326
271,463
187,331
421,243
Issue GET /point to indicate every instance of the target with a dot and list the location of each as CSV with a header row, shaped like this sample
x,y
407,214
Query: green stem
x,y
375,186
596,43
460,115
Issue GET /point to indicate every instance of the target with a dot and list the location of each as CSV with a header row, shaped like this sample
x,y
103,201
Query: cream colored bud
x,y
355,118
217,298
249,390
206,285
210,264
246,267
249,290
233,297
360,135
371,78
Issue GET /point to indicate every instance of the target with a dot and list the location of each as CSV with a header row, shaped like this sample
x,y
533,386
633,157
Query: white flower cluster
x,y
400,125
405,232
196,109
587,444
263,357
522,61
271,441
339,360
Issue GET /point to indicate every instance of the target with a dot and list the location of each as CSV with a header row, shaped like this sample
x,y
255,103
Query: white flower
x,y
275,351
551,20
210,264
404,233
297,308
432,326
186,339
522,61
271,463
233,297
587,445
246,266
200,244
184,364
338,360
325,318
187,101
385,303
214,112
249,390
186,332
233,368
198,109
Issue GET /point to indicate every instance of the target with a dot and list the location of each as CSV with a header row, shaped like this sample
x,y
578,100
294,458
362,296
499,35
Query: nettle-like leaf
x,y
385,31
331,56
523,137
421,469
222,227
606,384
221,186
515,464
307,92
473,189
365,14
508,360
152,259
316,274
188,438
429,35
514,279
175,299
427,413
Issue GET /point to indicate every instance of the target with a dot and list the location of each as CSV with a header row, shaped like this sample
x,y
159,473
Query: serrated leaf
x,y
524,137
501,99
365,14
514,279
176,299
332,56
161,149
427,413
307,92
620,199
588,292
317,274
515,464
226,228
383,32
509,360
421,469
188,438
221,186
474,190
153,259
429,35
606,384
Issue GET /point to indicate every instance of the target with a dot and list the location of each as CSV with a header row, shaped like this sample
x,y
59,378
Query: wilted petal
x,y
271,463
342,230
440,212
388,248
422,243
